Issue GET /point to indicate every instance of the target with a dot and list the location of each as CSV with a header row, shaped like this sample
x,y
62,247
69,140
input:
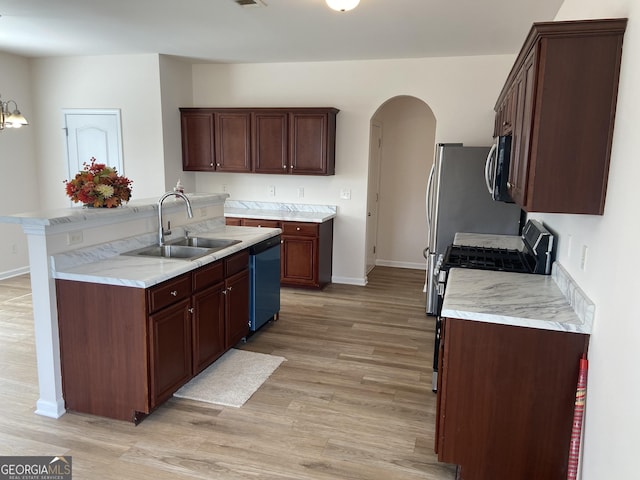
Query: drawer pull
x,y
298,229
174,293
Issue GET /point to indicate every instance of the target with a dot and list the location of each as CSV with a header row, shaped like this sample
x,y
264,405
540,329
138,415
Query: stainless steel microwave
x,y
496,170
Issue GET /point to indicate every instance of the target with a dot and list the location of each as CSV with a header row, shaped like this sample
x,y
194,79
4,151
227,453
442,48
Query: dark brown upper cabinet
x,y
559,103
271,141
259,140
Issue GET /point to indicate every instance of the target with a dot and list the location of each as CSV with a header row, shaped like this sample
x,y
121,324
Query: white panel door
x,y
93,133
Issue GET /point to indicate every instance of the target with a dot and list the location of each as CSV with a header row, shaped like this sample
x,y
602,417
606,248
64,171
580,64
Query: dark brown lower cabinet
x,y
208,327
170,350
237,307
126,350
505,400
306,255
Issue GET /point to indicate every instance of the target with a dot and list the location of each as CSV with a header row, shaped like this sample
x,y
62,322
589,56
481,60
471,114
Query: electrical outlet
x,y
73,238
345,194
14,248
224,188
300,192
583,258
271,190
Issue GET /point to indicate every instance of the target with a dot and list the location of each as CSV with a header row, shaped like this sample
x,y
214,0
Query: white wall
x,y
176,91
461,92
408,138
128,82
611,277
21,190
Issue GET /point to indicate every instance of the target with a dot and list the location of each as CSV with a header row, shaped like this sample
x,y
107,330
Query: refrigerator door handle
x,y
428,197
489,168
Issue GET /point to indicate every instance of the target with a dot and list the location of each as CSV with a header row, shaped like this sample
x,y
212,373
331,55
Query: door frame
x,y
373,187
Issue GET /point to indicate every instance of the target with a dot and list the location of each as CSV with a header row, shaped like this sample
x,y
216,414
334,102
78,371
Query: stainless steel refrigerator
x,y
457,200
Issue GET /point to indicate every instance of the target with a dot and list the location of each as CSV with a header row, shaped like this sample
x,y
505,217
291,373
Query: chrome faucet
x,y
161,231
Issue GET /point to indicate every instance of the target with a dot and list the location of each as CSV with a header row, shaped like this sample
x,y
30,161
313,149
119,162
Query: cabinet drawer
x,y
256,222
236,263
208,275
300,228
169,292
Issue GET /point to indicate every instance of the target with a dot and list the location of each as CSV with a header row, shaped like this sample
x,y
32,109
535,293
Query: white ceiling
x,y
283,31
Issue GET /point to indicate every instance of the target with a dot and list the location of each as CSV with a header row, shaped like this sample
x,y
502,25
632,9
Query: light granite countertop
x,y
131,210
510,242
292,212
549,302
104,263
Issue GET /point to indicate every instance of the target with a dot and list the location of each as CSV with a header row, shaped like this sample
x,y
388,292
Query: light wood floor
x,y
352,401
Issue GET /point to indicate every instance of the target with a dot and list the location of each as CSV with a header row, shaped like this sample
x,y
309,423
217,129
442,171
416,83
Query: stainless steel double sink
x,y
187,248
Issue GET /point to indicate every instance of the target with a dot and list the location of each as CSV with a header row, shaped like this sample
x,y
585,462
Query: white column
x,y
45,315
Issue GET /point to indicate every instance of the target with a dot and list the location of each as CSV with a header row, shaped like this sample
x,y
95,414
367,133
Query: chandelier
x,y
11,119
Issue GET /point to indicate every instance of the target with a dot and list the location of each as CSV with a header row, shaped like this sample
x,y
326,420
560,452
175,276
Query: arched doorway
x,y
401,150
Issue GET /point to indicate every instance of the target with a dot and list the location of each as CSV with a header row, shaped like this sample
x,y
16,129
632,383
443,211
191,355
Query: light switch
x,y
345,193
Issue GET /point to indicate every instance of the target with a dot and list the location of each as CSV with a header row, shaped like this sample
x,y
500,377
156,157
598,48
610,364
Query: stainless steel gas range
x,y
535,256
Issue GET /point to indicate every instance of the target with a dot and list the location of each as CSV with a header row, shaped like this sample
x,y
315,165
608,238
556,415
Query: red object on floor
x,y
578,415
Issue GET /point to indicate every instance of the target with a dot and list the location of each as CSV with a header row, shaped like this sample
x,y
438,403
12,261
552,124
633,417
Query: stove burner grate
x,y
484,258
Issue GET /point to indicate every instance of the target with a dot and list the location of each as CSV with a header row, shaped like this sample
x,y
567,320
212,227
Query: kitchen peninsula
x,y
78,246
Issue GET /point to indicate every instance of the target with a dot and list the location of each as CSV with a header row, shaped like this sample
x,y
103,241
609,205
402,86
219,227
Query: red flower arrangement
x,y
99,186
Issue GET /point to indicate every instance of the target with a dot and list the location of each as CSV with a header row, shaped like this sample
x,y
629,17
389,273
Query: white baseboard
x,y
13,273
349,280
393,263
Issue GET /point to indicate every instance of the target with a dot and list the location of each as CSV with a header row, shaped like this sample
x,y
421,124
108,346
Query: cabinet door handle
x,y
230,288
211,164
174,293
224,292
284,166
217,164
509,185
191,310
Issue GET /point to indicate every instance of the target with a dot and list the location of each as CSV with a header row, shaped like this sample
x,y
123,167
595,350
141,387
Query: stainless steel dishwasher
x,y
264,269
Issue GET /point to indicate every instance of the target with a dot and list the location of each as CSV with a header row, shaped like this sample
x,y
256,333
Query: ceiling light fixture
x,y
11,119
343,5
